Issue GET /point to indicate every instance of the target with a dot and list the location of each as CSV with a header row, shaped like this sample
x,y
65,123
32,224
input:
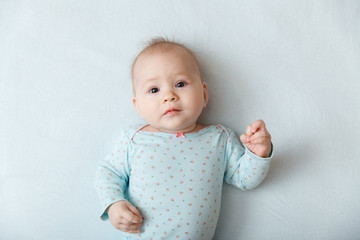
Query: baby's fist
x,y
125,217
257,139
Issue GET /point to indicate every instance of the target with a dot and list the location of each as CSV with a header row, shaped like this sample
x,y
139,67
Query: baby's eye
x,y
180,84
153,90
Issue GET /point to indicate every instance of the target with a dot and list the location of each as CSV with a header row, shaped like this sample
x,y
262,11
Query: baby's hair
x,y
161,45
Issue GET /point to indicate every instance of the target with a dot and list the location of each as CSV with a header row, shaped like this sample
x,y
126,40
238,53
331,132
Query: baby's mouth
x,y
171,111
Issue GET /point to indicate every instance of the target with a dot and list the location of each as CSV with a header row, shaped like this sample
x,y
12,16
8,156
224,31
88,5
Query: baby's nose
x,y
170,96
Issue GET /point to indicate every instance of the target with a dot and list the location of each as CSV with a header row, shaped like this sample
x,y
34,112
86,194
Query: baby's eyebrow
x,y
150,80
182,74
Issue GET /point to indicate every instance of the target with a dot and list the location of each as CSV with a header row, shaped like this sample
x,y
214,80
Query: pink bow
x,y
180,134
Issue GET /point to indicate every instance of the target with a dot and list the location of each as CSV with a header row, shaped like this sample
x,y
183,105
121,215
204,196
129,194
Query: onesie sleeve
x,y
244,169
112,176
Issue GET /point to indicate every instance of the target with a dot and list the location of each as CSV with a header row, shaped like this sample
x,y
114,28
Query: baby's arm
x,y
111,183
244,169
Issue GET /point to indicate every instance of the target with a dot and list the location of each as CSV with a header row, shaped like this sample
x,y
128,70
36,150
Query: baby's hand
x,y
125,217
257,139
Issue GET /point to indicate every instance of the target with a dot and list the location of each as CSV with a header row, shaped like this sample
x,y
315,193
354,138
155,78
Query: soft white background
x,y
65,92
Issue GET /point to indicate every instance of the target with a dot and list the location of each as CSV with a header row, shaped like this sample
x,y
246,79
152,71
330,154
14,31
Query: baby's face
x,y
169,92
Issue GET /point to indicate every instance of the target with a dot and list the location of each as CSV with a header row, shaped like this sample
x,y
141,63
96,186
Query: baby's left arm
x,y
257,139
247,167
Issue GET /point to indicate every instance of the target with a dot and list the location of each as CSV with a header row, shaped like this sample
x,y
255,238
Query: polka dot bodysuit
x,y
175,180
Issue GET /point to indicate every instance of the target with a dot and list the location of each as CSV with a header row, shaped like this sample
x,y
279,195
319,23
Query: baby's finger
x,y
258,124
135,211
131,217
134,231
261,140
128,229
244,138
260,134
248,130
130,226
126,222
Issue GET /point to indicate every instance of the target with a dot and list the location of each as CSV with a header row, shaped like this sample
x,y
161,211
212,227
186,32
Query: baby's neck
x,y
195,128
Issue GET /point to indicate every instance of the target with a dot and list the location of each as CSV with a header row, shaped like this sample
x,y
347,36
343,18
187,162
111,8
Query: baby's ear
x,y
138,110
134,103
206,94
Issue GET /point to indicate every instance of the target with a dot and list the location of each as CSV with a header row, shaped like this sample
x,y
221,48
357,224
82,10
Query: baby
x,y
164,180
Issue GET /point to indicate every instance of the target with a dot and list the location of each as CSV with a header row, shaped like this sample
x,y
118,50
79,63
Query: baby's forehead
x,y
162,48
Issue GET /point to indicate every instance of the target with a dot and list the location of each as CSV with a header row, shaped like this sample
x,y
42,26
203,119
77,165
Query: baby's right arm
x,y
111,183
125,217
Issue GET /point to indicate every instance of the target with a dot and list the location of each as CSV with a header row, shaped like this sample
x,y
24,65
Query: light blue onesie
x,y
175,180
